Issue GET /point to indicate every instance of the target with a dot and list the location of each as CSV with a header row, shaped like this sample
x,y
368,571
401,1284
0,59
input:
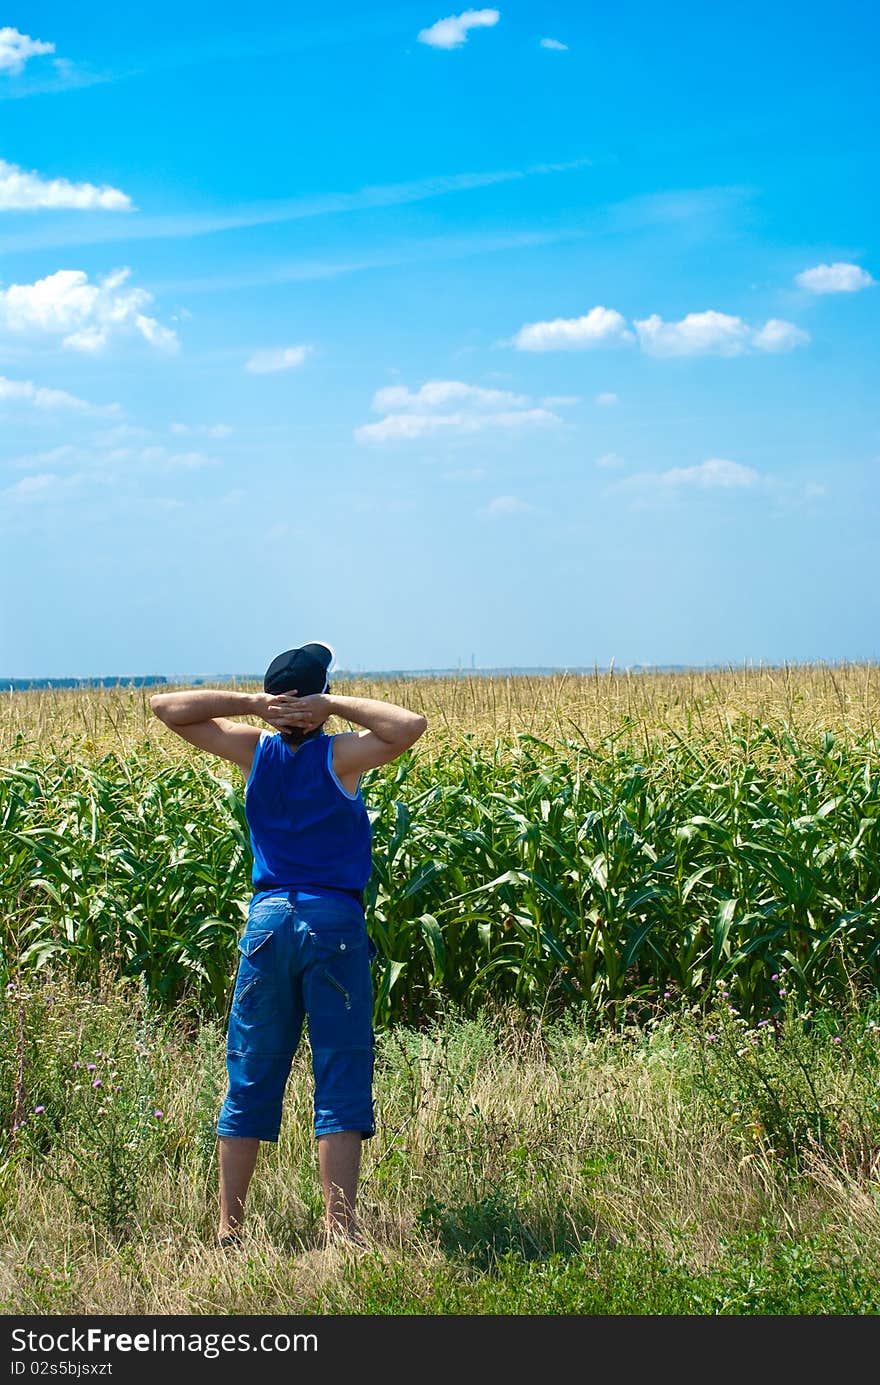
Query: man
x,y
305,953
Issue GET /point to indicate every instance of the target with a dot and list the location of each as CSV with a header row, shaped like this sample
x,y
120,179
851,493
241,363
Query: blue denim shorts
x,y
304,957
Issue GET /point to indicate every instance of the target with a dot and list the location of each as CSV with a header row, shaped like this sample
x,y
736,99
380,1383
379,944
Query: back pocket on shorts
x,y
340,954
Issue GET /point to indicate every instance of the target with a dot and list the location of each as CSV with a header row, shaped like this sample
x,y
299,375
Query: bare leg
x,y
238,1159
339,1161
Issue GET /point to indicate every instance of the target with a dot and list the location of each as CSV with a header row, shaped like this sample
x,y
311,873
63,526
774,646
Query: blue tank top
x,y
307,831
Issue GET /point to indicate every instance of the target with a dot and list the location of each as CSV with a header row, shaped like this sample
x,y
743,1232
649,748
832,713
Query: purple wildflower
x,y
38,1110
90,1067
97,1082
158,1115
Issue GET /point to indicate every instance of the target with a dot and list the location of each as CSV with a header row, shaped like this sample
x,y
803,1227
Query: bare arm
x,y
199,715
388,731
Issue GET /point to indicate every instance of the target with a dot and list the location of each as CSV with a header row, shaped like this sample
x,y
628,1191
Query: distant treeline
x,y
345,675
148,680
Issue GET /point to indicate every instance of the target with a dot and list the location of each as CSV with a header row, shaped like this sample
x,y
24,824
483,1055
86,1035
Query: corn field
x,y
614,844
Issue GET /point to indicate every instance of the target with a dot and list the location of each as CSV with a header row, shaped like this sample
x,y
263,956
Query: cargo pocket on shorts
x,y
254,968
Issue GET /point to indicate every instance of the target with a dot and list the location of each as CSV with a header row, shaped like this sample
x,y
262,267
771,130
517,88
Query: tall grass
x,y
535,1168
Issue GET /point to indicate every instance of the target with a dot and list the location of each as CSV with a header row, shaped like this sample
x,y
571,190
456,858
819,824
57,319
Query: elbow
x,y
418,728
159,706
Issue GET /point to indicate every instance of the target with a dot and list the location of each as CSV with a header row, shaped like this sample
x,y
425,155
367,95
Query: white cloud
x,y
16,48
206,430
560,401
610,461
157,335
437,393
40,397
778,335
607,399
84,315
715,334
449,407
599,327
22,191
507,505
715,474
697,334
554,44
452,32
835,278
408,427
284,358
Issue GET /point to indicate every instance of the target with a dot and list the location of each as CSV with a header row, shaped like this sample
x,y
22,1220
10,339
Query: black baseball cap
x,y
304,669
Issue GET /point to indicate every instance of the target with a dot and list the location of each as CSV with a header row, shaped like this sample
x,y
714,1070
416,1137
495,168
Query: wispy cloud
x,y
452,32
610,461
182,225
16,49
430,250
426,412
715,474
84,316
503,506
409,427
41,397
97,460
554,45
715,334
599,327
167,460
280,358
607,399
36,487
206,430
436,394
835,278
466,475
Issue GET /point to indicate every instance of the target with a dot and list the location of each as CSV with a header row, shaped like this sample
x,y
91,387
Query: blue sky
x,y
539,335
